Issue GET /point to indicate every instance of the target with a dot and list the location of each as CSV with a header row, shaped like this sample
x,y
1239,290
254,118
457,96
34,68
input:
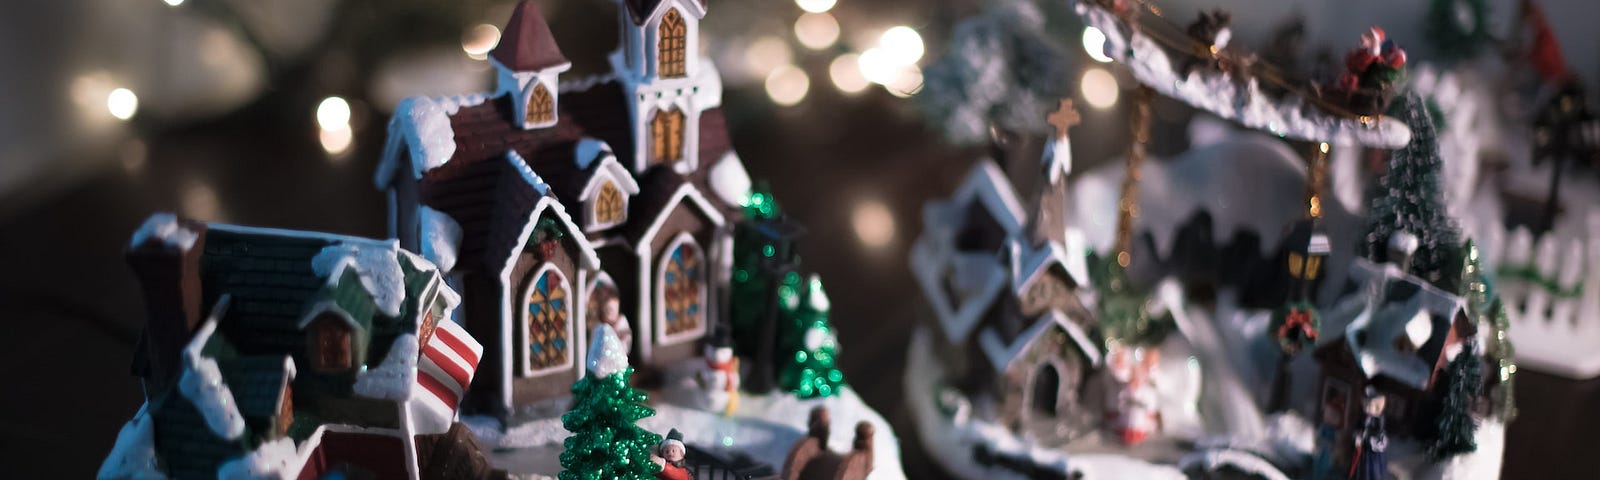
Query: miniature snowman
x,y
1134,412
720,378
1371,462
669,455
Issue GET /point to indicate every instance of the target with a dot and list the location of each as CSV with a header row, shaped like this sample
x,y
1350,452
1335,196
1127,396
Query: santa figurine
x,y
1371,70
1370,462
1135,412
669,455
720,378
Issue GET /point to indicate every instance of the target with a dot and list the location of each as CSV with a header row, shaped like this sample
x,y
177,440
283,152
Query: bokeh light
x,y
173,3
336,140
1099,88
873,223
1094,42
787,85
902,44
816,30
876,66
845,70
816,6
333,113
479,40
766,54
122,103
907,81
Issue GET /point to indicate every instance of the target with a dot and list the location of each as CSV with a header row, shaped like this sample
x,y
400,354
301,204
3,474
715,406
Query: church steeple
x,y
529,64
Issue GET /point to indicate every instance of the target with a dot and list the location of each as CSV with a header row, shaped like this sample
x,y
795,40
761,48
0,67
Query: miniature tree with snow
x,y
1410,197
810,370
1455,429
1001,71
606,442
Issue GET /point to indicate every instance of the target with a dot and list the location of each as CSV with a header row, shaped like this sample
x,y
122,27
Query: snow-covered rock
x,y
441,237
394,377
376,263
134,455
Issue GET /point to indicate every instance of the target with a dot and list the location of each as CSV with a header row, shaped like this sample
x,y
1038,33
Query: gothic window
x,y
541,107
682,287
333,350
666,136
548,320
608,204
670,48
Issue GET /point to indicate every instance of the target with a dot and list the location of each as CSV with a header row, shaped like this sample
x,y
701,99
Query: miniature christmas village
x,y
1320,287
580,281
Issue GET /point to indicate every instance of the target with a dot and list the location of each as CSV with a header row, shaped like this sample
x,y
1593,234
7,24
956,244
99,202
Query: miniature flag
x,y
443,373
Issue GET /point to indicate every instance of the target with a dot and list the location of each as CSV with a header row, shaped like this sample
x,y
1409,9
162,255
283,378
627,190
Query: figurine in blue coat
x,y
1370,462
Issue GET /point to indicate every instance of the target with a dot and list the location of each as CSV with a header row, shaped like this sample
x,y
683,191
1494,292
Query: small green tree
x,y
606,441
1454,427
1410,198
810,369
1485,310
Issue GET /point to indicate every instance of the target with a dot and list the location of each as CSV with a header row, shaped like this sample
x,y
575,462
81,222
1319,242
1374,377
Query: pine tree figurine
x,y
606,442
1455,427
1410,197
811,370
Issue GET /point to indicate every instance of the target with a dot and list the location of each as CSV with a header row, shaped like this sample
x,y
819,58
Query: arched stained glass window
x,y
549,321
683,294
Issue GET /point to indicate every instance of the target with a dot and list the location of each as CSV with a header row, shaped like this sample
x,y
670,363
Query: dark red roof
x,y
602,112
714,144
656,187
483,191
527,44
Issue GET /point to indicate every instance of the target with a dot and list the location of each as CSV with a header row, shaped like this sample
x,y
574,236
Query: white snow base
x,y
134,455
764,427
395,377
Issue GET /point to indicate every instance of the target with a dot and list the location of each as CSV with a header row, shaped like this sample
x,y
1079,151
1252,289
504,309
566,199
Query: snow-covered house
x,y
1398,334
1010,310
632,174
282,354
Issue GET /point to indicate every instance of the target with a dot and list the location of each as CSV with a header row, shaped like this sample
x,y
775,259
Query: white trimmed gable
x,y
639,40
608,172
520,85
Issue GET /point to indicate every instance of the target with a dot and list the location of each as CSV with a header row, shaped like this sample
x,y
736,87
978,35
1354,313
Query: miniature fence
x,y
1551,291
705,465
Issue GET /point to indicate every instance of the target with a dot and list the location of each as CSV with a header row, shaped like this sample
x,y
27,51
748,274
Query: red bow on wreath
x,y
1298,319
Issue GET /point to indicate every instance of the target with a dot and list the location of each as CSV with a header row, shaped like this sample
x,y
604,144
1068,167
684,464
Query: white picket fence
x,y
1551,290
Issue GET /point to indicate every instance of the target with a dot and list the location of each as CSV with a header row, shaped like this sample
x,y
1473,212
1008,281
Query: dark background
x,y
73,309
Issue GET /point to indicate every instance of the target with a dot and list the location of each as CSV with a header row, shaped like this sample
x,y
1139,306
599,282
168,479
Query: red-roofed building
x,y
545,202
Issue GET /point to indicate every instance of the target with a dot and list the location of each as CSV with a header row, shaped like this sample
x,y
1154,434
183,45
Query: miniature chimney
x,y
529,64
863,441
165,255
1402,245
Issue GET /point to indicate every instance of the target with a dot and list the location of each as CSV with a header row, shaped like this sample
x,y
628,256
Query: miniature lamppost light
x,y
765,259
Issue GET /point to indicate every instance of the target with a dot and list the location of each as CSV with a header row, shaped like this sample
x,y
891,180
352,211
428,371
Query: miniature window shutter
x,y
666,136
675,135
670,48
608,204
541,107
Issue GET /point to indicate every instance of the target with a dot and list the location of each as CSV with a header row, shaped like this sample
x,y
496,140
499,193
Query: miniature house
x,y
543,200
334,351
1010,311
1400,332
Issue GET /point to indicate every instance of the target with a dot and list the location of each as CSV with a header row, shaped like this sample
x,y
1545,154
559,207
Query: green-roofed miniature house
x,y
285,349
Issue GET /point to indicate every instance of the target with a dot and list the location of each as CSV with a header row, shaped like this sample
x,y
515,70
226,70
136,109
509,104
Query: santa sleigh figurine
x,y
720,378
1133,404
1371,71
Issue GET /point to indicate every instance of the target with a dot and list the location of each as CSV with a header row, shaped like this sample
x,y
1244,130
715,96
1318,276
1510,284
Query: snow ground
x,y
764,427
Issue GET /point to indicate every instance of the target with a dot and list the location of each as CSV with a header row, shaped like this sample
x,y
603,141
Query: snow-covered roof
x,y
396,376
1000,354
729,181
421,128
164,228
202,384
1028,263
1217,92
378,267
1393,305
440,237
1058,158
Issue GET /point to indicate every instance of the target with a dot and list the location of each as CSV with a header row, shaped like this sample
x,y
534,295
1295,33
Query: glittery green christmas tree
x,y
606,441
811,369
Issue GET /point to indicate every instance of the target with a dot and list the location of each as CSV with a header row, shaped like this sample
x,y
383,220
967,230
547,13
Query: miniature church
x,y
556,205
1007,284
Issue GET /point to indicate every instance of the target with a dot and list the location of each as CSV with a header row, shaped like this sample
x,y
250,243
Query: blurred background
x,y
273,113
